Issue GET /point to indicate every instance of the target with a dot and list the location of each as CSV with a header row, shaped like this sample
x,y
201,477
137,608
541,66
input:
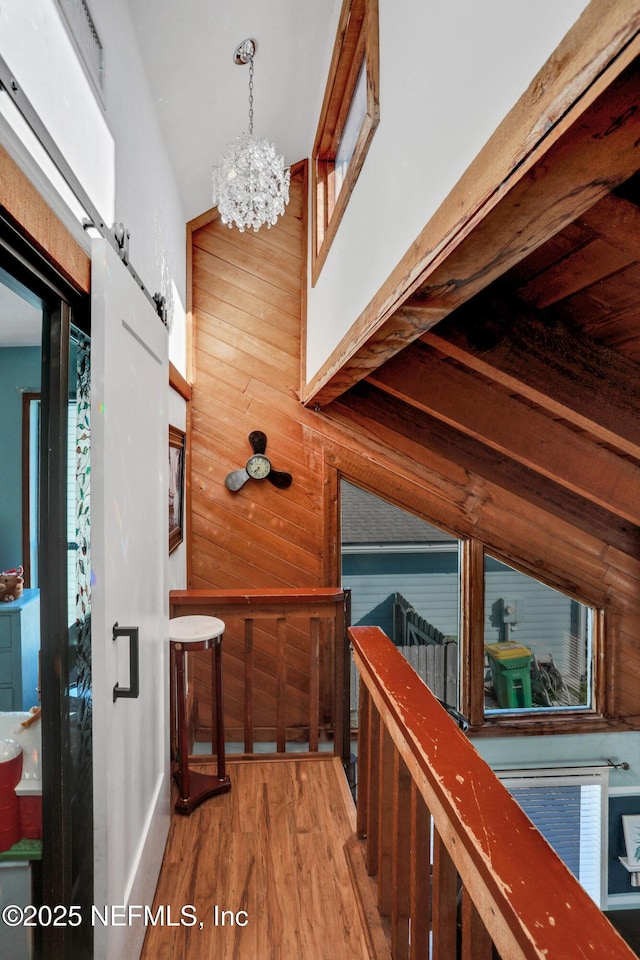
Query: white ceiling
x,y
202,96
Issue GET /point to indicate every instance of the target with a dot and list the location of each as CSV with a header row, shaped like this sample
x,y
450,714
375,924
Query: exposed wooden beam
x,y
410,428
616,221
514,429
573,377
554,180
594,261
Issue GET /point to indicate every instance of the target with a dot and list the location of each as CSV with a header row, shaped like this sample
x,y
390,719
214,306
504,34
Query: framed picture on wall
x,y
177,439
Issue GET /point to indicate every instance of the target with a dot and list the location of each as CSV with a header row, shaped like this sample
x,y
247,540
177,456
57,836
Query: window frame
x,y
602,713
357,42
472,655
80,24
541,778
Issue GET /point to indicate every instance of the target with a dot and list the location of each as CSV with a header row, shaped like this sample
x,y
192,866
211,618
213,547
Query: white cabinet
x,y
19,647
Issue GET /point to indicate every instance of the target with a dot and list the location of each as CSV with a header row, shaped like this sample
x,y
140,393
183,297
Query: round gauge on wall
x,y
258,467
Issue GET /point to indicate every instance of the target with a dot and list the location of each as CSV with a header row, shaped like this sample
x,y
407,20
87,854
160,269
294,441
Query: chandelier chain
x,y
251,97
250,182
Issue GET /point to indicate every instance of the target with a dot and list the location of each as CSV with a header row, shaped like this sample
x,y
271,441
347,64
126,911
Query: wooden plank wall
x,y
246,307
247,303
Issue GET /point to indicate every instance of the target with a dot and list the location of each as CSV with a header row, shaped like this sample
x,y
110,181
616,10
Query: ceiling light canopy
x,y
250,182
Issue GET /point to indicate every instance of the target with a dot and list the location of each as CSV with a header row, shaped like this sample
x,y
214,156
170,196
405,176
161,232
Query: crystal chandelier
x,y
250,183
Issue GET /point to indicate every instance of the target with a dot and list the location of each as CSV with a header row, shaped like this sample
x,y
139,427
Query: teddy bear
x,y
11,584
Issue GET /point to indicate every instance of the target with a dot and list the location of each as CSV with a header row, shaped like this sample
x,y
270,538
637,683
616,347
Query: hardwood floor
x,y
263,869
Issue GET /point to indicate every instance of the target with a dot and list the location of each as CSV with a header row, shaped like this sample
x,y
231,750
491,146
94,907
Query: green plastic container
x,y
511,674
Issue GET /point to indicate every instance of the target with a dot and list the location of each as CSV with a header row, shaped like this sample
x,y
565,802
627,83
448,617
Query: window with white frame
x,y
569,808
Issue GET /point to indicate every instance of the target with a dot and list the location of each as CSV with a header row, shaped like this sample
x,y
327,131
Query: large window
x,y
492,640
348,121
404,576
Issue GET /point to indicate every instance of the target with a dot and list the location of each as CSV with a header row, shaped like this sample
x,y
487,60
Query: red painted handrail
x,y
530,903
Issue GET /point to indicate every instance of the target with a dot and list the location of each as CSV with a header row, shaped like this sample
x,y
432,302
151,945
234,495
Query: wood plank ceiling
x,y
536,381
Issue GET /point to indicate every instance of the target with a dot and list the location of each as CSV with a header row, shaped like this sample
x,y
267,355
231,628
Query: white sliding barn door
x,y
129,511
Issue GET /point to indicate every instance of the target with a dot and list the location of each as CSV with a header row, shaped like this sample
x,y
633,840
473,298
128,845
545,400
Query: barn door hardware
x,y
133,690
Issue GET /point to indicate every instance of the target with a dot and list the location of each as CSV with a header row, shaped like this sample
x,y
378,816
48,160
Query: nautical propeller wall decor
x,y
258,467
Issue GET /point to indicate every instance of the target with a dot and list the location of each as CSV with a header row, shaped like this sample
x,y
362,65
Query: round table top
x,y
195,629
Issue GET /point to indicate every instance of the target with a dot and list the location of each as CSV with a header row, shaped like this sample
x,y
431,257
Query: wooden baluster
x,y
327,672
281,617
476,942
314,683
281,664
444,893
341,661
385,823
420,876
248,685
481,823
373,808
401,859
364,753
343,621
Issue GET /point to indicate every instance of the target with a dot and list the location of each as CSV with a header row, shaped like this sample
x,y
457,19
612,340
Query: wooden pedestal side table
x,y
187,634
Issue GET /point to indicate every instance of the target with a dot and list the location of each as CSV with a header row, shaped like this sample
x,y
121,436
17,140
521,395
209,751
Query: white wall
x,y
115,150
117,153
38,51
449,73
146,197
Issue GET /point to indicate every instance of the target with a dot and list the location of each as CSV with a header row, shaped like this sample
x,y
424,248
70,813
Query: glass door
x,y
78,692
21,325
50,532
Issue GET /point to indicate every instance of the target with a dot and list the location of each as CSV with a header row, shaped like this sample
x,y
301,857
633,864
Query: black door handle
x,y
133,690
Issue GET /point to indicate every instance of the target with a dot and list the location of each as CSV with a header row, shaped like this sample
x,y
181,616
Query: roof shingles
x,y
369,519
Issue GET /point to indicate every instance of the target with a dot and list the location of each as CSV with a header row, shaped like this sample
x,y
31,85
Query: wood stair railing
x,y
285,662
461,872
